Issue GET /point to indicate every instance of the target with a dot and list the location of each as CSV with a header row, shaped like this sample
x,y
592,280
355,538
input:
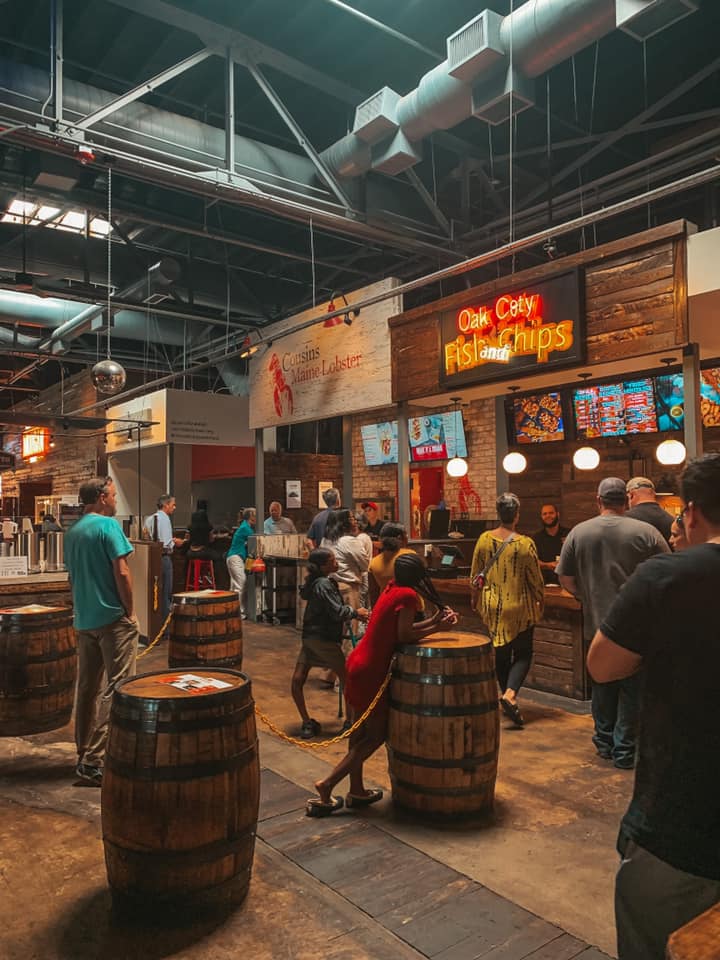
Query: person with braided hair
x,y
391,624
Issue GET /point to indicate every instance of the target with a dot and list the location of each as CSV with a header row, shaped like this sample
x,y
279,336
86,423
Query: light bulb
x,y
586,458
457,467
671,453
514,463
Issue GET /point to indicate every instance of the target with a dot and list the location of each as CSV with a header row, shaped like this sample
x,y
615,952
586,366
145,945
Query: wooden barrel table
x,y
697,940
206,629
443,730
38,668
181,788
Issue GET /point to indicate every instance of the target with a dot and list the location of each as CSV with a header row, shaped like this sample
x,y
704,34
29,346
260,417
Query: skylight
x,y
55,218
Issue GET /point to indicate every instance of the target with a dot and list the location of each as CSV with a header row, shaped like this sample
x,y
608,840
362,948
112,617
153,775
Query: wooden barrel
x,y
206,629
38,667
443,727
181,787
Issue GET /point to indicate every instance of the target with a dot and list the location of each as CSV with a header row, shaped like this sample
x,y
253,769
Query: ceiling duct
x,y
234,374
397,155
476,46
642,19
506,94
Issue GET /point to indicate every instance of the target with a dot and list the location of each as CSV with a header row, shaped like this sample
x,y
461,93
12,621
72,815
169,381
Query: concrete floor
x,y
548,850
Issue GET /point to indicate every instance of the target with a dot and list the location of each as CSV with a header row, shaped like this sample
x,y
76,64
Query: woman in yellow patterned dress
x,y
509,600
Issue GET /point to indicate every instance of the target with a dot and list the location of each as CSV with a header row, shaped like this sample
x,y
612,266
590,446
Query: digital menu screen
x,y
538,419
614,409
710,397
380,443
439,437
670,401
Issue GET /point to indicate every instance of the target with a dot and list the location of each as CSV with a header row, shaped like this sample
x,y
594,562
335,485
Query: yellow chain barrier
x,y
323,744
157,639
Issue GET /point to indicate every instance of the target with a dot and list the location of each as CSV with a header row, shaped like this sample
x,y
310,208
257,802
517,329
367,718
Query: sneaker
x,y
92,776
624,763
311,728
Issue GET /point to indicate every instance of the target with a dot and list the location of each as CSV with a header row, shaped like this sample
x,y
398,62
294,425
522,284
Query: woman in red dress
x,y
392,623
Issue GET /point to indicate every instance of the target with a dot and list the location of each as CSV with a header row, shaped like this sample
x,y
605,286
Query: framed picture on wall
x,y
293,494
323,485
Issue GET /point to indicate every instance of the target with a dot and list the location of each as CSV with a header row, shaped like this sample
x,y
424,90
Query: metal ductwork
x,y
487,74
234,374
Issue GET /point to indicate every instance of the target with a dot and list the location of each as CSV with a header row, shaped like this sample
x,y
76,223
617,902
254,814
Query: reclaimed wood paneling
x,y
416,360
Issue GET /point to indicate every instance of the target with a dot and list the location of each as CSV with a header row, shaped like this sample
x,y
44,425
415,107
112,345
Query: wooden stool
x,y
200,575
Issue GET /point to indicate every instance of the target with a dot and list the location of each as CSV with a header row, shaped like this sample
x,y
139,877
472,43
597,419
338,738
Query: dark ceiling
x,y
582,146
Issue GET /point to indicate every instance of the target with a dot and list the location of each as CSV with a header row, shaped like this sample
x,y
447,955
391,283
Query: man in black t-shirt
x,y
666,619
644,506
549,541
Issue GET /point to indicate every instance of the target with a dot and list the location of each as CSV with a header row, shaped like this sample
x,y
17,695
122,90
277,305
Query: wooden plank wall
x,y
635,298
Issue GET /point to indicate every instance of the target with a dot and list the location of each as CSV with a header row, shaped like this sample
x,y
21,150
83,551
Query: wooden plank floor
x,y
433,908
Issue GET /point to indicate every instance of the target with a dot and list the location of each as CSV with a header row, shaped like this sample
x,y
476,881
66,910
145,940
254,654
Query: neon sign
x,y
522,329
35,443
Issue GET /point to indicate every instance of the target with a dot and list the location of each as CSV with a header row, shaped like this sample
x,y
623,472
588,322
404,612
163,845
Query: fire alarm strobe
x,y
85,154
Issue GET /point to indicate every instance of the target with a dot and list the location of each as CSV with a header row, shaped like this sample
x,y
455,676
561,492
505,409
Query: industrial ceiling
x,y
252,158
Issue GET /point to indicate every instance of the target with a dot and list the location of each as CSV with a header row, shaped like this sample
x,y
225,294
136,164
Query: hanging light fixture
x,y
514,463
108,376
586,458
457,467
671,453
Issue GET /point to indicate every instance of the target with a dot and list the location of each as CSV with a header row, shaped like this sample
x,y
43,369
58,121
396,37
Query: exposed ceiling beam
x,y
390,31
142,89
429,201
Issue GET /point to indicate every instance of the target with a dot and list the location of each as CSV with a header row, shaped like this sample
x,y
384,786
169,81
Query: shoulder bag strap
x,y
496,556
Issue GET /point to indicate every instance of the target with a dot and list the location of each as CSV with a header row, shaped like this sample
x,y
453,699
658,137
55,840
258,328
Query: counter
x,y
51,589
559,660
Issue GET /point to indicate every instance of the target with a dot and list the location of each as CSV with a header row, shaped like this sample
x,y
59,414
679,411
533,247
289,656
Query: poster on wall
x,y
293,494
323,485
336,366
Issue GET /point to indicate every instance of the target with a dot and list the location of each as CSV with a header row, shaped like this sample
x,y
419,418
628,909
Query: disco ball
x,y
108,377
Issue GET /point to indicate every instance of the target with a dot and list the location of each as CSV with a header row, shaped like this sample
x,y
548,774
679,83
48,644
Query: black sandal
x,y
512,711
311,728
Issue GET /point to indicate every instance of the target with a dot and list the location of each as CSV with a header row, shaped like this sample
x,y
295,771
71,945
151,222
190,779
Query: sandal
x,y
311,728
372,796
319,808
512,711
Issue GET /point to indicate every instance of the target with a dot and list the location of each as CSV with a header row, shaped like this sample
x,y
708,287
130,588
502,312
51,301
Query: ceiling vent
x,y
475,47
376,117
395,156
644,18
501,95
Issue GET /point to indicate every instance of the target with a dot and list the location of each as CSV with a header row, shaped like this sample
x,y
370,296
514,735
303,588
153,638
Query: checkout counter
x,y
559,649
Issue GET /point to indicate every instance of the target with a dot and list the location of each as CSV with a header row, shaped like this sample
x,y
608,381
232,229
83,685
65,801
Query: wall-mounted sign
x,y
520,332
7,460
35,443
293,494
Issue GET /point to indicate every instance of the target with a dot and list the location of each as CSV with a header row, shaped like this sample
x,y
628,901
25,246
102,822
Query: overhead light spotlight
x,y
52,442
550,248
248,348
129,434
85,154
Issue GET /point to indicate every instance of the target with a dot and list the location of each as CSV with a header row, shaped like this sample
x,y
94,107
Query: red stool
x,y
200,575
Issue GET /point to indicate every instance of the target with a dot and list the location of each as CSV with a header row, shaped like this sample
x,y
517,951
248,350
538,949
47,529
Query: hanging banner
x,y
520,332
329,369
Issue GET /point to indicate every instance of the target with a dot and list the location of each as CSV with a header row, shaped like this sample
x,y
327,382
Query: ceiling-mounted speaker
x,y
642,19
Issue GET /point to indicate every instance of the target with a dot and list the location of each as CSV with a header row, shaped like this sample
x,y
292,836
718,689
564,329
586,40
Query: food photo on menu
x,y
380,443
437,437
538,419
710,397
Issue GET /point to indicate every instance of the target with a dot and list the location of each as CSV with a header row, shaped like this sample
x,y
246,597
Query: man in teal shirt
x,y
96,552
237,555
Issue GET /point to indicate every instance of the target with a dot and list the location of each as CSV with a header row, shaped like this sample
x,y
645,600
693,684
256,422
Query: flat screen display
x,y
438,437
538,419
710,397
615,409
380,443
670,401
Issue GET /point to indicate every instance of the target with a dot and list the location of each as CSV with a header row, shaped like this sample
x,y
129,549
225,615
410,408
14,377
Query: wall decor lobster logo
x,y
282,392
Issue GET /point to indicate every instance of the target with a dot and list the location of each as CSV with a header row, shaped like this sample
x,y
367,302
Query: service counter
x,y
48,589
559,658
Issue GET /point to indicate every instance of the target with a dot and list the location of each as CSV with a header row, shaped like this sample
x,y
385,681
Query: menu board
x,y
538,419
670,401
614,409
439,437
380,443
710,397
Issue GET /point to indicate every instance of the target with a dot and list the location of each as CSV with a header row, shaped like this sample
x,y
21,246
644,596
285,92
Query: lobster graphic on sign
x,y
282,392
466,495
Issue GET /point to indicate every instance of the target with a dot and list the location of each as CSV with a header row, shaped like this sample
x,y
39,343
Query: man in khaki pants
x,y
96,552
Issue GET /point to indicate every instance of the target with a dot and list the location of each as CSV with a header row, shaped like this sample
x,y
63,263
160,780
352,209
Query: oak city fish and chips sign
x,y
524,331
328,369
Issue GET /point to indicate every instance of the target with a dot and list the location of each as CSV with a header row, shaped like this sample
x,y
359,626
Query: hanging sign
x,y
35,443
523,331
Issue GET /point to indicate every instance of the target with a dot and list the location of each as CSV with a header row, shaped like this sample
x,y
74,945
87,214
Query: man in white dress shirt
x,y
159,527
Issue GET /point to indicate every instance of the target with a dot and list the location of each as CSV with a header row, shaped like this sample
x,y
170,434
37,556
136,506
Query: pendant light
x,y
108,376
671,453
514,463
457,467
586,458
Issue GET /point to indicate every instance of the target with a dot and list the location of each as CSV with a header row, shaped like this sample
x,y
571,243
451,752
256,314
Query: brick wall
x,y
76,456
381,482
309,469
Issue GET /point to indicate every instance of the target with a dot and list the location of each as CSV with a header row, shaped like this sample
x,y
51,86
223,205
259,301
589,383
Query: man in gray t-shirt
x,y
598,556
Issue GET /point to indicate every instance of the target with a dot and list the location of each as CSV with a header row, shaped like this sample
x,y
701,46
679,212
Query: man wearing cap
x,y
598,556
374,523
644,505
